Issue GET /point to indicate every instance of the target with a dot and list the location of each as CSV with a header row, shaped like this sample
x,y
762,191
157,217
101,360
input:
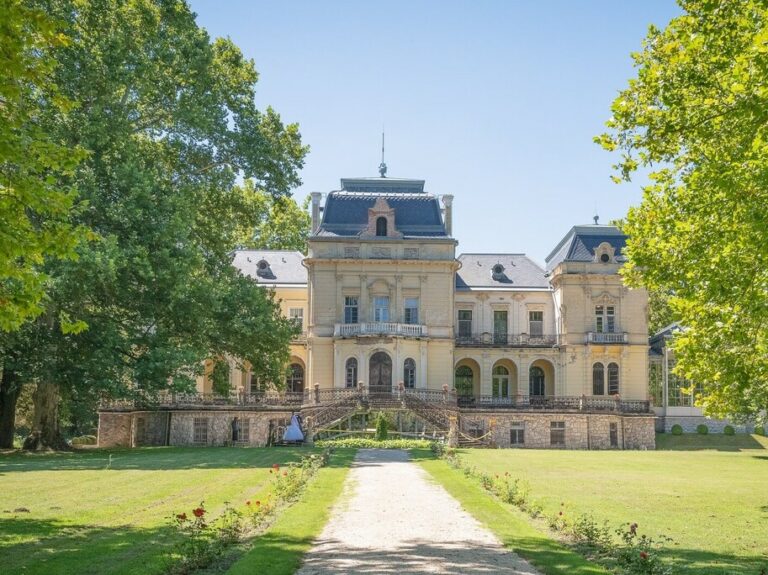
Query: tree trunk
x,y
46,433
9,393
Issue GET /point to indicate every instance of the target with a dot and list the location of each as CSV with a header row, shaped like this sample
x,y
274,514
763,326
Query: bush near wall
x,y
677,429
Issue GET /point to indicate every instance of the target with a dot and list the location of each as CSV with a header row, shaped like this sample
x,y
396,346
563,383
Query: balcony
x,y
379,328
612,338
506,340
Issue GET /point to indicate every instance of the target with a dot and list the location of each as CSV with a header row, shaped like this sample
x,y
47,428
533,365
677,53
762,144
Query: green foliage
x,y
696,115
382,427
729,430
273,223
702,429
36,194
677,429
167,119
220,377
84,440
759,430
370,443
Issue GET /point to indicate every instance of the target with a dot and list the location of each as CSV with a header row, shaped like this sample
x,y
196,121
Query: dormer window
x,y
381,226
263,270
605,253
497,272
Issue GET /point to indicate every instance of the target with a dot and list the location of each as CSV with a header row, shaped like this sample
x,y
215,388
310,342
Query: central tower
x,y
381,268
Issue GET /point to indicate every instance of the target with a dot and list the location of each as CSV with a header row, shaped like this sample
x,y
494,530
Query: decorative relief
x,y
351,252
411,253
378,252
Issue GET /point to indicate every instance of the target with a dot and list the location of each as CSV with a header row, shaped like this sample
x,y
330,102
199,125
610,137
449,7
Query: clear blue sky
x,y
493,102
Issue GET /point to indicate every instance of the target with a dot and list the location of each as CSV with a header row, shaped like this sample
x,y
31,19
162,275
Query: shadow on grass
x,y
155,458
34,546
714,442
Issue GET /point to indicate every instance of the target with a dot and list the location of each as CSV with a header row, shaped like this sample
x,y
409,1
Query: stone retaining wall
x,y
689,423
582,431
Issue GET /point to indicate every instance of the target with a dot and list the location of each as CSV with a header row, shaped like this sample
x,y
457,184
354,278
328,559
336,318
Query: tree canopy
x,y
34,201
168,121
696,116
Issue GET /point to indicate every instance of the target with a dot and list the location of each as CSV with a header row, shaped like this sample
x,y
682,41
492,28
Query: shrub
x,y
640,554
677,429
729,430
587,531
84,440
702,429
382,427
370,443
759,430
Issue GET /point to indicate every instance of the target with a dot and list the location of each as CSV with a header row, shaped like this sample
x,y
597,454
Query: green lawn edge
x,y
510,525
280,550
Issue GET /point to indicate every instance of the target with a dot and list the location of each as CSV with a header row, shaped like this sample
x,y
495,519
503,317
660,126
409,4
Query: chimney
x,y
448,213
315,211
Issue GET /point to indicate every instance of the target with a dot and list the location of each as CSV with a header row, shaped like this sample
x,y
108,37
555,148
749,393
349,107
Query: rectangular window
x,y
557,433
200,430
500,327
517,433
350,309
614,435
536,323
381,308
605,319
296,314
412,310
242,431
465,323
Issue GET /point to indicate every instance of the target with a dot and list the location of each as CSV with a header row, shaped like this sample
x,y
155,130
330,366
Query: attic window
x,y
262,269
381,226
605,258
498,272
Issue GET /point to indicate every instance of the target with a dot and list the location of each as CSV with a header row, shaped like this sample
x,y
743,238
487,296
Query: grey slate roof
x,y
417,214
520,272
283,266
580,242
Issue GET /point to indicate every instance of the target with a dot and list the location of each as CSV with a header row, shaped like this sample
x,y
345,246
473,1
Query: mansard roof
x,y
417,213
580,242
272,267
517,271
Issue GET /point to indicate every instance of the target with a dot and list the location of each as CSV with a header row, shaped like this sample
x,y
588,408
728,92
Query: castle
x,y
490,347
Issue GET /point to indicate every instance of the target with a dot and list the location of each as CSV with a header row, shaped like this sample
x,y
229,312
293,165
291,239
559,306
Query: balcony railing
x,y
506,340
556,403
595,337
379,328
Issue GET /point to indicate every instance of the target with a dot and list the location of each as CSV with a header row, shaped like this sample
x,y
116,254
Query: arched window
x,y
409,373
381,226
598,379
350,373
463,382
295,379
613,379
536,380
500,381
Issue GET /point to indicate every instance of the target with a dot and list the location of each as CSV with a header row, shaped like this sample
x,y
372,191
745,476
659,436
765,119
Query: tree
x,y
273,223
168,120
34,202
697,116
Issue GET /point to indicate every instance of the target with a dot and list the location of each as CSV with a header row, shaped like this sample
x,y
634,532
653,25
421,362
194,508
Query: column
x,y
362,311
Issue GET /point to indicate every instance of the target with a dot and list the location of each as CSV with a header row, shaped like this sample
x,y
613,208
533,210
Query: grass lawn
x,y
709,493
84,518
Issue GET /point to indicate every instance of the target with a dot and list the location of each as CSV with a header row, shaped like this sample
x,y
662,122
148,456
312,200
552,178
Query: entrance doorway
x,y
381,371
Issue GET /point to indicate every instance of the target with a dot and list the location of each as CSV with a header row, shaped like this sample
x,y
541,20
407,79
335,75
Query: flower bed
x,y
202,540
628,553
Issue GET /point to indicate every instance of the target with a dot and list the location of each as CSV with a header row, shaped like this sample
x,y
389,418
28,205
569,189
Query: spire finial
x,y
595,217
382,166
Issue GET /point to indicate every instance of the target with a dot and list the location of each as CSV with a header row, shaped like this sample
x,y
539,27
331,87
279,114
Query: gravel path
x,y
393,519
